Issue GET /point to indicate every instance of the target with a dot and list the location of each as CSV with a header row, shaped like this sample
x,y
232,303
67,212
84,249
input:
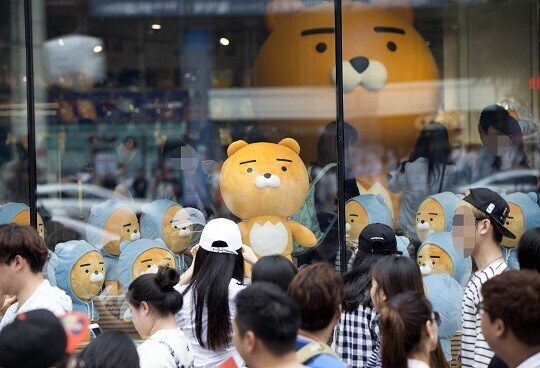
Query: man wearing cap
x,y
23,254
490,211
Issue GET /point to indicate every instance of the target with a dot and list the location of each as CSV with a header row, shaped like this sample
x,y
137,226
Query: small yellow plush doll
x,y
264,184
436,214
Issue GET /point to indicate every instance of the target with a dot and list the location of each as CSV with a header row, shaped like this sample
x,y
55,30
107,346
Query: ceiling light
x,y
224,41
156,26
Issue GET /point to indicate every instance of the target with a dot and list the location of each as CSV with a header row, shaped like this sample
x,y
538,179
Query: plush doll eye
x,y
321,47
149,266
352,220
507,222
391,46
128,230
431,219
249,169
433,263
283,168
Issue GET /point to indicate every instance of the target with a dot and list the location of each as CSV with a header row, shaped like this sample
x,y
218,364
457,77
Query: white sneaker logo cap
x,y
221,230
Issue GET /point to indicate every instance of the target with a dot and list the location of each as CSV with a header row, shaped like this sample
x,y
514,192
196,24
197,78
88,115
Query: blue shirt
x,y
320,361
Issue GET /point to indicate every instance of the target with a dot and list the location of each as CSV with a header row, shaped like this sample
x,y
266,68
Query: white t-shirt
x,y
185,319
45,297
531,362
475,351
414,363
166,349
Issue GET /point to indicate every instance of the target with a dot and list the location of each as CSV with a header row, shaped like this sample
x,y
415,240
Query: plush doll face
x,y
432,259
149,260
120,226
264,179
381,50
177,231
516,224
23,218
430,217
87,275
357,219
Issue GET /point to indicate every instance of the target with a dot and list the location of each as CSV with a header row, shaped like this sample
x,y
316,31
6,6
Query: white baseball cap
x,y
221,236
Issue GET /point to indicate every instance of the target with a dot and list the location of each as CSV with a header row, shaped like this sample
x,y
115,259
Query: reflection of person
x,y
502,145
426,172
129,156
511,318
409,331
265,326
153,302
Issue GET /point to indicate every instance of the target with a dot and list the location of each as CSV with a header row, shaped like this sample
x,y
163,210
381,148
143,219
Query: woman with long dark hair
x,y
427,171
409,331
218,272
356,333
153,301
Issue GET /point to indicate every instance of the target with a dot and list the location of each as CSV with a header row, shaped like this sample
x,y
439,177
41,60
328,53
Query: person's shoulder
x,y
325,361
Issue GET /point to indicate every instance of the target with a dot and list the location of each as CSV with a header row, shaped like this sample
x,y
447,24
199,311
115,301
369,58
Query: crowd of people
x,y
376,315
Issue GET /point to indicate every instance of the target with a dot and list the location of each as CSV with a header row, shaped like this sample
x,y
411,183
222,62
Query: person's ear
x,y
250,341
499,328
18,262
337,314
144,307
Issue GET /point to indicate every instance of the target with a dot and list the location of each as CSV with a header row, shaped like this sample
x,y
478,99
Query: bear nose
x,y
422,221
267,175
96,272
359,63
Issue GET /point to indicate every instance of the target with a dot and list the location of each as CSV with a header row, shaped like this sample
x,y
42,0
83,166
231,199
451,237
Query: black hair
x,y
111,349
327,144
357,281
434,145
270,314
157,290
528,251
212,274
275,269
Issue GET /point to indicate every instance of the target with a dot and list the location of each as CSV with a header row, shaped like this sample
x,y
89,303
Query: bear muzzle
x,y
360,71
267,180
97,277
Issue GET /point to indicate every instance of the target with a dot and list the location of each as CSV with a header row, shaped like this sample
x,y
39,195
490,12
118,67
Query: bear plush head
x,y
167,220
261,179
19,213
111,223
142,256
80,272
389,73
445,294
437,255
436,214
363,210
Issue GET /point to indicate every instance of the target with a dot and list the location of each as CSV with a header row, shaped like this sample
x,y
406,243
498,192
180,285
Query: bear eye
x,y
352,220
507,222
283,168
433,262
249,169
128,230
321,47
431,219
391,46
149,266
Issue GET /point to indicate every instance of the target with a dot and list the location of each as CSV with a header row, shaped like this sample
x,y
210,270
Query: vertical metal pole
x,y
340,133
31,114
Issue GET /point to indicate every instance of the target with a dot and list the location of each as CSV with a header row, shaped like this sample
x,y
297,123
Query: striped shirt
x,y
475,351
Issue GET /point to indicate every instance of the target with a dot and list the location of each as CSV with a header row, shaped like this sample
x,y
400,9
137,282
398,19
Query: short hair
x,y
514,297
528,251
318,291
275,269
270,314
110,349
24,241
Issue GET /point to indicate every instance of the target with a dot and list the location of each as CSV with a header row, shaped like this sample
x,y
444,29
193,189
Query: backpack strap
x,y
312,350
320,173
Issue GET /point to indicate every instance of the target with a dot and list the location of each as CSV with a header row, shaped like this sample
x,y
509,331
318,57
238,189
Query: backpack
x,y
307,215
313,350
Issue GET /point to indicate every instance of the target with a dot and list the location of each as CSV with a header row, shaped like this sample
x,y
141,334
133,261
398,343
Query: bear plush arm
x,y
302,234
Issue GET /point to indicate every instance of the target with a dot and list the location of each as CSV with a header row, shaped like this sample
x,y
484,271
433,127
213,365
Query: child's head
x,y
393,275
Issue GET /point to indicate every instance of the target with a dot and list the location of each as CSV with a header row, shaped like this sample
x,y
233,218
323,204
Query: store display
x,y
524,215
111,223
436,214
80,272
264,184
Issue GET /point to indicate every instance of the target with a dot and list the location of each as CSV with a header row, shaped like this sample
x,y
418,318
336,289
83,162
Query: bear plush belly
x,y
268,239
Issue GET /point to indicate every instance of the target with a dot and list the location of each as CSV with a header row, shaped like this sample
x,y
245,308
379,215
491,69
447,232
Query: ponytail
x,y
393,332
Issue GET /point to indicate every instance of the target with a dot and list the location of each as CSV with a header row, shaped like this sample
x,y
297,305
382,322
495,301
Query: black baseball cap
x,y
378,239
493,206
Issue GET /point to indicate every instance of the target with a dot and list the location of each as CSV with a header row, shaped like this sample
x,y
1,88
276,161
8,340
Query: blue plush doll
x,y
524,215
111,223
436,214
445,294
437,255
80,273
19,213
140,257
167,220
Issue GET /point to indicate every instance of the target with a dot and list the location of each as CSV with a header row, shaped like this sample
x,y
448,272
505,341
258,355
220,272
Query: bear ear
x,y
235,146
400,8
278,11
292,144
